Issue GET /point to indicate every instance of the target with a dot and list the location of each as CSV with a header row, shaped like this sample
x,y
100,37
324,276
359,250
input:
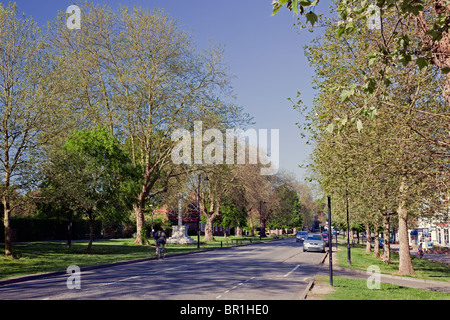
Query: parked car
x,y
314,242
301,236
325,238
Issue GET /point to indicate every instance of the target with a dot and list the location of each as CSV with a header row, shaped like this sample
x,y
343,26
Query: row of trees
x,y
131,74
240,196
381,118
87,117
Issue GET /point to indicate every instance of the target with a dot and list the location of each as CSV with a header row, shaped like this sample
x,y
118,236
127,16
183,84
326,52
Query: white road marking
x,y
134,277
287,274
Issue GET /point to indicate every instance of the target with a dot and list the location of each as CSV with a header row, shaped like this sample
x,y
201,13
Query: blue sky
x,y
264,52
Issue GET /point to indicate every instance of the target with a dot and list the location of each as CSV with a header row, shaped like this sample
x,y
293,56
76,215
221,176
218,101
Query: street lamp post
x,y
349,260
198,209
330,240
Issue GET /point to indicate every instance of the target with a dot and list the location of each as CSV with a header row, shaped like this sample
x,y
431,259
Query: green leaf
x,y
387,82
373,60
415,10
311,17
346,94
305,3
445,70
295,6
276,8
359,125
372,112
277,5
422,62
330,128
370,85
405,59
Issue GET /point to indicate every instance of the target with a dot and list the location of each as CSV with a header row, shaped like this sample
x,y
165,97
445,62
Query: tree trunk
x,y
387,246
376,241
252,225
405,266
7,213
140,219
368,237
238,232
263,228
210,217
91,229
69,230
209,228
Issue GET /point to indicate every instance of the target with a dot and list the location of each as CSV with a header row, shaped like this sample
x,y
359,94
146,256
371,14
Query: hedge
x,y
33,229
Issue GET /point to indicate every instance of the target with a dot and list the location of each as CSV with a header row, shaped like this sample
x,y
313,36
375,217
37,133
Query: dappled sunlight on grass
x,y
424,269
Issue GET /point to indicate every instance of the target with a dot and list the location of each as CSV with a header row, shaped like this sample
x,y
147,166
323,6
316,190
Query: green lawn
x,y
39,257
424,269
356,289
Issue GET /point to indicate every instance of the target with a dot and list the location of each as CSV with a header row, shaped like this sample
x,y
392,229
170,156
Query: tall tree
x,y
138,74
94,175
28,109
352,161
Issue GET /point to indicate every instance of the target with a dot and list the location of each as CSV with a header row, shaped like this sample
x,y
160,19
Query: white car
x,y
314,242
301,236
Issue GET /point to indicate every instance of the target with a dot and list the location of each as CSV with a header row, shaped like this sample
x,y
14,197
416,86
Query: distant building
x,y
431,232
434,231
190,218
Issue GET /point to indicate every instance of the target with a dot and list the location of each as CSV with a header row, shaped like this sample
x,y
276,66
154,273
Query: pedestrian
x,y
420,252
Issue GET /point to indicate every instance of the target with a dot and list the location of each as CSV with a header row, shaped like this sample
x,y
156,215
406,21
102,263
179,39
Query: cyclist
x,y
420,252
160,237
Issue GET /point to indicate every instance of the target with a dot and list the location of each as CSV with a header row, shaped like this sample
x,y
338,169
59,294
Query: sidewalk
x,y
441,258
397,280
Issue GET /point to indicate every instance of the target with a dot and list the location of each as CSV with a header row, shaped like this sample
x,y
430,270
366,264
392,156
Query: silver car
x,y
301,236
314,242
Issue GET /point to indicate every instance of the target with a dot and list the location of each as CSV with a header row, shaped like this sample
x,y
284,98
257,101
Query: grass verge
x,y
424,269
356,289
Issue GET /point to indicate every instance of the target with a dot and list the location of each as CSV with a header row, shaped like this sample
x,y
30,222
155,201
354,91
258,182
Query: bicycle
x,y
160,251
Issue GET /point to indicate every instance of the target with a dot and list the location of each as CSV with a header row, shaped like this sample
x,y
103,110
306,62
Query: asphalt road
x,y
276,270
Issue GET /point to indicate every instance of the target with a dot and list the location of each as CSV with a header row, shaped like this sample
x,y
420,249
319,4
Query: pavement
x,y
318,290
441,258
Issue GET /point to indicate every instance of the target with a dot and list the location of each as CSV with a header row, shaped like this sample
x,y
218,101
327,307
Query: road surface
x,y
276,270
